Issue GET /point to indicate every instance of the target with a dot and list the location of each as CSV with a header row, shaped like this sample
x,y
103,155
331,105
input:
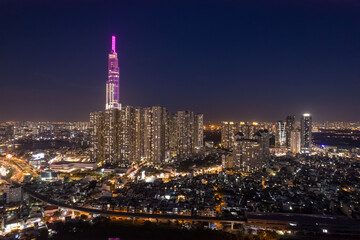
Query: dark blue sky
x,y
231,60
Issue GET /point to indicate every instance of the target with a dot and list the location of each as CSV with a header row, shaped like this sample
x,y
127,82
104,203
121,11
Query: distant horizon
x,y
206,122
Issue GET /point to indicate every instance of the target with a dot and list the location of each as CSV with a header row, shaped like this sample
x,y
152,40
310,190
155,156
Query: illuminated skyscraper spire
x,y
113,43
112,84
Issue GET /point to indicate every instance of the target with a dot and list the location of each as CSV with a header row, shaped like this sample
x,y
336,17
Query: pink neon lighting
x,y
113,43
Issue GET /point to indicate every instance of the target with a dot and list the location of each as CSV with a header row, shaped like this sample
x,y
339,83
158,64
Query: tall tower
x,y
112,84
280,137
306,135
290,126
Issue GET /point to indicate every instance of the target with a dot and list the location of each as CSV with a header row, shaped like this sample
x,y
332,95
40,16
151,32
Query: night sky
x,y
231,60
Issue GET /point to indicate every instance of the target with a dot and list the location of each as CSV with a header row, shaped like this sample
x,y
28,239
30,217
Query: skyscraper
x,y
97,126
306,135
227,134
280,137
184,131
295,142
158,133
246,154
229,129
112,84
122,135
112,136
290,126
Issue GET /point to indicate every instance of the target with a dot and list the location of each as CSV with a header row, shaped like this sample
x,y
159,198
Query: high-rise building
x,y
290,126
127,134
185,131
227,134
97,132
295,142
306,134
158,133
112,136
140,134
246,154
199,132
263,138
112,84
280,135
248,128
229,129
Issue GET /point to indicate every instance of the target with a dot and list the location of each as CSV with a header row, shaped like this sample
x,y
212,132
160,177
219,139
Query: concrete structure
x,y
122,135
112,84
97,132
295,142
229,129
247,154
227,134
290,126
280,135
306,134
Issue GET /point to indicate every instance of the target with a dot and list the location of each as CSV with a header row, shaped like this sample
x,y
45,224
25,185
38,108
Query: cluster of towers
x,y
125,134
295,137
248,143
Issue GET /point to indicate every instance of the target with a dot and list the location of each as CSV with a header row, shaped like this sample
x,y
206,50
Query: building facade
x,y
290,126
280,135
306,132
113,84
295,142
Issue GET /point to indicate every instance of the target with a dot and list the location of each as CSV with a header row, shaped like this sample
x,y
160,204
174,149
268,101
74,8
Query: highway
x,y
20,167
18,174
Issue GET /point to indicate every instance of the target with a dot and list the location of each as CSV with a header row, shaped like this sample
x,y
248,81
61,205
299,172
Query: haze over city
x,y
234,60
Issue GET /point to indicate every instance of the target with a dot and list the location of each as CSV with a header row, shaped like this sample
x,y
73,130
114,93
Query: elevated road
x,y
130,215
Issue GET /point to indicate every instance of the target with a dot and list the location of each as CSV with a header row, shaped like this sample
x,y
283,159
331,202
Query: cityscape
x,y
153,171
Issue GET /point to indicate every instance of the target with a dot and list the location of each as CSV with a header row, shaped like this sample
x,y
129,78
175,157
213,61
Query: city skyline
x,y
222,73
179,120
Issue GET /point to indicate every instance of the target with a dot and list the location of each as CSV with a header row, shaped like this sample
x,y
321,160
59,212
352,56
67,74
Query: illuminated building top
x,y
112,84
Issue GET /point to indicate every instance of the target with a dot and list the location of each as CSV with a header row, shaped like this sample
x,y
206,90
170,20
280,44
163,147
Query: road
x,y
23,168
126,214
20,167
18,174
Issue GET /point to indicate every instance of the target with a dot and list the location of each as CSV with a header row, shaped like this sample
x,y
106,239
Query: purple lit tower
x,y
112,84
